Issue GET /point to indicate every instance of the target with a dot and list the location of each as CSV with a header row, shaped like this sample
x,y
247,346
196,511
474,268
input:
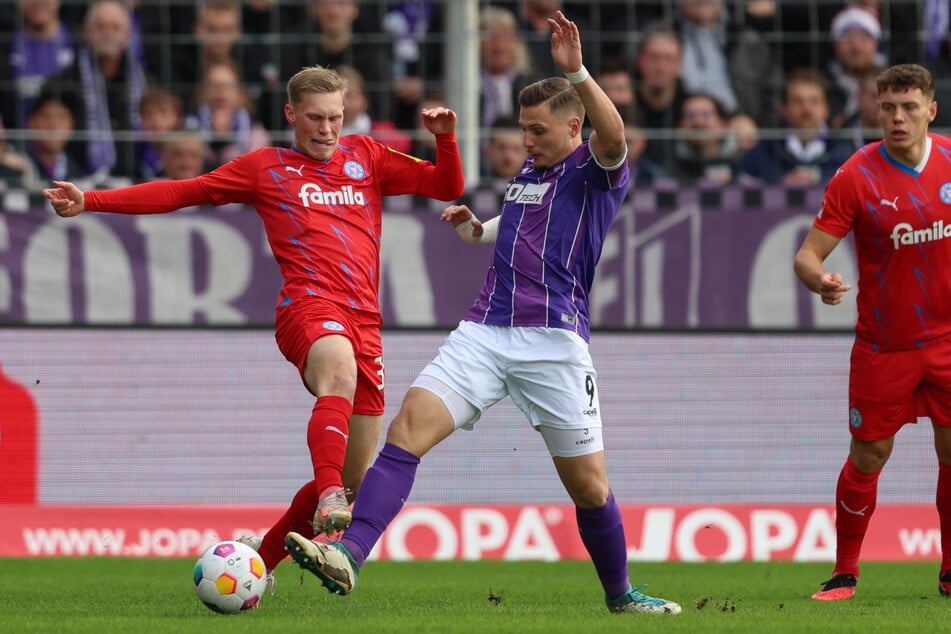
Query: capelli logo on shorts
x,y
855,418
336,326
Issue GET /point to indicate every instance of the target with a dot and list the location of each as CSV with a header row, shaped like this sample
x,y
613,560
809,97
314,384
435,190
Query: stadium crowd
x,y
712,91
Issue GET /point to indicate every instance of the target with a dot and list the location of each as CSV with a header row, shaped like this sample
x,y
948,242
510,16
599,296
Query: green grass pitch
x,y
148,596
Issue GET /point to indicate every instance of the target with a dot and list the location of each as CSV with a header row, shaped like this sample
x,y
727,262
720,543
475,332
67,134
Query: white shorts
x,y
547,371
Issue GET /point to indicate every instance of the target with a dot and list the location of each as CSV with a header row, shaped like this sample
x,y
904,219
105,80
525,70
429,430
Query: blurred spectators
x,y
357,118
707,150
398,48
109,81
216,32
183,155
643,170
856,35
864,126
13,165
224,116
706,65
535,32
805,154
616,80
659,91
504,65
727,57
415,27
505,151
52,126
162,112
330,39
745,129
42,45
263,51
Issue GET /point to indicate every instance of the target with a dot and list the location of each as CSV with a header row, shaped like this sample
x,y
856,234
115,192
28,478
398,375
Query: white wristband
x,y
464,229
490,230
578,76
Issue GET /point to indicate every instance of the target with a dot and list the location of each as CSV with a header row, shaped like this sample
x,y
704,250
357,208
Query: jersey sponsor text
x,y
311,193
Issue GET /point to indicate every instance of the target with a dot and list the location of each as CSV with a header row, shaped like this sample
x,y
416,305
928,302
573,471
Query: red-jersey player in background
x,y
894,195
321,206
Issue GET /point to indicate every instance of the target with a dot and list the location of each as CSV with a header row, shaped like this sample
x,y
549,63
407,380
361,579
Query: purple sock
x,y
385,488
602,532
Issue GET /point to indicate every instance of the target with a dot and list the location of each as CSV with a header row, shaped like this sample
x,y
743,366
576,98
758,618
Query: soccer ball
x,y
230,577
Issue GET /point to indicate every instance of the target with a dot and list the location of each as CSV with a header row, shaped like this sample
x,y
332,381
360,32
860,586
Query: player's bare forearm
x,y
608,142
809,268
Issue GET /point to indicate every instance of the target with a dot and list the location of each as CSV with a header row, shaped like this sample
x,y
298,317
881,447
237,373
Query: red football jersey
x,y
901,221
322,218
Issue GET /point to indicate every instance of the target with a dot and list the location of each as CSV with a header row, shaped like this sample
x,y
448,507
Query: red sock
x,y
943,502
327,434
855,496
297,518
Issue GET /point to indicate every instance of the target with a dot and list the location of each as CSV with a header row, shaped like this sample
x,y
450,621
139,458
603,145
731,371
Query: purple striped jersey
x,y
551,231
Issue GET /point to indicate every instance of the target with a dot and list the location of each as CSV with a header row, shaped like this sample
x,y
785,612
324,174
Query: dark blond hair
x,y
557,92
904,77
314,79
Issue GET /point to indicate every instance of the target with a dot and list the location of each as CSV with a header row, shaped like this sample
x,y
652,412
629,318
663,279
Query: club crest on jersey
x,y
312,194
354,169
855,418
526,194
945,193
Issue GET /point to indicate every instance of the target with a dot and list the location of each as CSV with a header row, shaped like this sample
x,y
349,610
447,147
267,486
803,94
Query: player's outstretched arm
x,y
607,142
66,199
468,226
153,197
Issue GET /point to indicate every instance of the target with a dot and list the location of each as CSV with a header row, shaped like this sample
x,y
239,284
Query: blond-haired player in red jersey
x,y
894,196
321,206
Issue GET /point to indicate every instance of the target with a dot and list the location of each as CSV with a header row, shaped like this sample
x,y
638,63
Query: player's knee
x,y
419,426
340,383
870,456
590,494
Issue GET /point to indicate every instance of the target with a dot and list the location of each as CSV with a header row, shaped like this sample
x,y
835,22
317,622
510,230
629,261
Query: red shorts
x,y
890,389
302,322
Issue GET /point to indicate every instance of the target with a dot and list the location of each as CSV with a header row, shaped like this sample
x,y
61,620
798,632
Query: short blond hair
x,y
314,79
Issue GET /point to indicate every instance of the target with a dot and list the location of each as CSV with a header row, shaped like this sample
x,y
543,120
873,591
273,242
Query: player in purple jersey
x,y
526,336
894,197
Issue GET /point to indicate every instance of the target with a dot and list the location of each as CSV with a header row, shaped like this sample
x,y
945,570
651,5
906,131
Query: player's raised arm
x,y
607,142
447,181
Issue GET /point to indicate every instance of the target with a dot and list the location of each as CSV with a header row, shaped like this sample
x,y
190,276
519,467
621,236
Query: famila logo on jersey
x,y
904,235
312,194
